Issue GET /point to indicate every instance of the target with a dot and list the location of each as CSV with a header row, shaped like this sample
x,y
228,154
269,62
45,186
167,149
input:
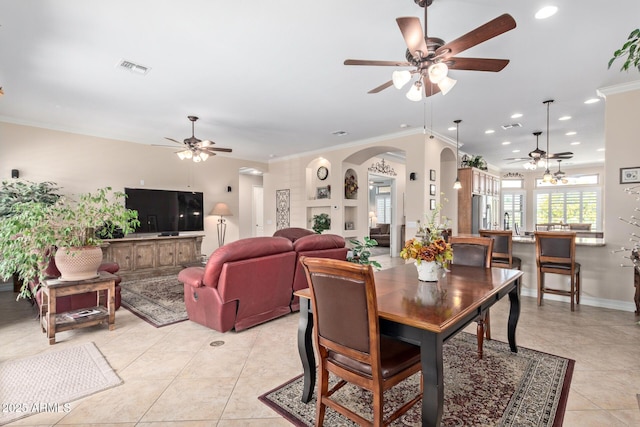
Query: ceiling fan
x,y
539,157
559,176
432,57
196,149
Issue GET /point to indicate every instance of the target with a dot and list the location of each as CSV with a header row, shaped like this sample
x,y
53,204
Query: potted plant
x,y
321,222
19,191
631,48
37,231
361,252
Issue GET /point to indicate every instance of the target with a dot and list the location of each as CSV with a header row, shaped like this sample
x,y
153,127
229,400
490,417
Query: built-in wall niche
x,y
317,210
350,219
318,179
350,184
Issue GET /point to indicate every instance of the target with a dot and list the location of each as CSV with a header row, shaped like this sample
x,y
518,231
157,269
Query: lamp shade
x,y
221,209
400,78
415,93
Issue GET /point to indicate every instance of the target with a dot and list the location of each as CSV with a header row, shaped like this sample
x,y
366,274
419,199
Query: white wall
x,y
245,204
81,163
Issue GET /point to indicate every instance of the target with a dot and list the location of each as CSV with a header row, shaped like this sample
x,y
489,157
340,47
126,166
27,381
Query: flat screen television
x,y
166,211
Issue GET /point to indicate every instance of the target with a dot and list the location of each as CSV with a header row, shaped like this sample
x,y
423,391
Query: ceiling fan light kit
x,y
197,149
432,57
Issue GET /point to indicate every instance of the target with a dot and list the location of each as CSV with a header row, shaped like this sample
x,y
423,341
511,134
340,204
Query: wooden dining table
x,y
425,314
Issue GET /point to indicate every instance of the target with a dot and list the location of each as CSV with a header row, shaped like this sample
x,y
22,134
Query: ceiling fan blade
x,y
211,150
171,139
381,87
429,88
491,29
379,63
562,154
476,64
518,159
411,30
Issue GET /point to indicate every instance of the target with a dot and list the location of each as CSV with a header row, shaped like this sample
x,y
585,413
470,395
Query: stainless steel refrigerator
x,y
482,213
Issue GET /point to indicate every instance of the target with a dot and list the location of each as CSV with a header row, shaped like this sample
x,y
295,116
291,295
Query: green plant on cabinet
x,y
361,252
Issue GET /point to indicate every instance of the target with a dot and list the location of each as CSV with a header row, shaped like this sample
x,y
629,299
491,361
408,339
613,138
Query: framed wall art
x,y
322,193
432,204
629,175
432,175
432,189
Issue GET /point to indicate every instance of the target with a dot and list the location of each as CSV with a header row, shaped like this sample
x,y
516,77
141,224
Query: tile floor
x,y
173,377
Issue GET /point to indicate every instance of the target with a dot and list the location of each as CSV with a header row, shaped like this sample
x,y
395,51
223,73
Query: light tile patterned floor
x,y
173,377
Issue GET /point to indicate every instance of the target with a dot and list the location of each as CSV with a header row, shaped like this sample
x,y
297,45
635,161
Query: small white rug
x,y
47,382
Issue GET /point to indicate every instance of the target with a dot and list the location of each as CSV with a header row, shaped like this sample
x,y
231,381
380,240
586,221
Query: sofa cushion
x,y
384,228
318,241
252,247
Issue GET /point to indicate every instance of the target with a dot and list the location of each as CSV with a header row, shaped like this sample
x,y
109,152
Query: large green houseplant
x,y
630,49
36,231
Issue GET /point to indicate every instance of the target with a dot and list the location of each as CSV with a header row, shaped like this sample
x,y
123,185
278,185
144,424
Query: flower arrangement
x,y
429,244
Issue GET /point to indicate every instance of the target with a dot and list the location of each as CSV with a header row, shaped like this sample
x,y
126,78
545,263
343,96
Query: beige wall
x,y
80,163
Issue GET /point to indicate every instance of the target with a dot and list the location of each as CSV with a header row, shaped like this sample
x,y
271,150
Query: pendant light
x,y
457,184
547,177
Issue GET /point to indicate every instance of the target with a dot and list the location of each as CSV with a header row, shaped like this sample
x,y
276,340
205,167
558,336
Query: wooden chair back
x,y
472,251
555,247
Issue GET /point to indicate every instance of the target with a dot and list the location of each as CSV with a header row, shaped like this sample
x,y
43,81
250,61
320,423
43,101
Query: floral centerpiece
x,y
429,249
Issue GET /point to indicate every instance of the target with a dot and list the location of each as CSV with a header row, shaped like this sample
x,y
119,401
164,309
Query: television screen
x,y
166,211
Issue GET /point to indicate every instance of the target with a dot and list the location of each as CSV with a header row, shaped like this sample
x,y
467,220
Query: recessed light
x,y
563,118
452,128
592,100
600,149
506,143
516,115
515,151
571,133
404,125
489,131
546,12
339,133
575,143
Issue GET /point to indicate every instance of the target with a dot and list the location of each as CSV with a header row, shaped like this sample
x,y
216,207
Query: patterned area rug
x,y
47,382
529,388
158,300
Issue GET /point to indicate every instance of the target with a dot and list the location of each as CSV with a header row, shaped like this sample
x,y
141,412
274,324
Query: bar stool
x,y
556,254
502,249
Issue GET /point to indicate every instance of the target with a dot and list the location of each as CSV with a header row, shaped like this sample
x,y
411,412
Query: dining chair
x,y
580,226
502,255
475,252
556,254
348,341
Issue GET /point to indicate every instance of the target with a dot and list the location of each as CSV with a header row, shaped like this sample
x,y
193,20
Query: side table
x,y
52,321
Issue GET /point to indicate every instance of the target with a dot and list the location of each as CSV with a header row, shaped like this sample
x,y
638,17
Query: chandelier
x,y
382,168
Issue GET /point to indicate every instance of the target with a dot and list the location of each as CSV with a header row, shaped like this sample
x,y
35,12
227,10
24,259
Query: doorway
x,y
382,213
257,211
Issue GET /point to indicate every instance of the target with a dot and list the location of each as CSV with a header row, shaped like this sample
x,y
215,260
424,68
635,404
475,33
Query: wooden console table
x,y
52,321
149,256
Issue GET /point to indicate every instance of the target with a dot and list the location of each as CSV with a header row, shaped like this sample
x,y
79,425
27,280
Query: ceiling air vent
x,y
512,125
133,67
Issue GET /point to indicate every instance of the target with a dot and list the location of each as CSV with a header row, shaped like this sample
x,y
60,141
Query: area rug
x,y
47,382
157,300
529,388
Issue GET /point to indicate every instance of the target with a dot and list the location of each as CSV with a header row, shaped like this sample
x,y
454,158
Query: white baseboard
x,y
594,302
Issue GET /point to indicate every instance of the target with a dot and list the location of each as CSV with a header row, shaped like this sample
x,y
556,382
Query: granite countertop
x,y
580,241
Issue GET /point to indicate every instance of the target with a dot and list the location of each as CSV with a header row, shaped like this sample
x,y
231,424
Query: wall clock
x,y
322,173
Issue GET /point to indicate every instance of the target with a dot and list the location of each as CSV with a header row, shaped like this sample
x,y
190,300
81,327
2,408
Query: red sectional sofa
x,y
251,281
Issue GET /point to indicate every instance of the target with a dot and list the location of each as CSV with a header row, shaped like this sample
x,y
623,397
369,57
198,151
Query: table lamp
x,y
372,215
222,210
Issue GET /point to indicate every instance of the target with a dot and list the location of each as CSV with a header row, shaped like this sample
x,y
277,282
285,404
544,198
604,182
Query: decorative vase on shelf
x,y
428,271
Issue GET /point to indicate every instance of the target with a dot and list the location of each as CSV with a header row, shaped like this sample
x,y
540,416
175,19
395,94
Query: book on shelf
x,y
78,314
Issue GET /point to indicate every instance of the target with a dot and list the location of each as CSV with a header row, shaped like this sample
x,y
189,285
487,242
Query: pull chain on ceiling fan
x,y
432,57
196,149
547,177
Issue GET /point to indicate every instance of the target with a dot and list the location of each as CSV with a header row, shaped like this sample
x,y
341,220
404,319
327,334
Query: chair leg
x,y
573,292
578,288
480,334
487,325
323,388
378,406
540,286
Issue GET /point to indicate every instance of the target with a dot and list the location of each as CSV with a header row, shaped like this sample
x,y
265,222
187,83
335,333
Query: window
x,y
571,180
513,204
383,208
511,183
569,205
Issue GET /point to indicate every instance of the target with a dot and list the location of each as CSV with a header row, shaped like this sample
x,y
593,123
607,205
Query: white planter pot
x,y
78,263
428,271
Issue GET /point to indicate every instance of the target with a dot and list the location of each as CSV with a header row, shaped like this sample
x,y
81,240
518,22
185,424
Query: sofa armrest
x,y
192,276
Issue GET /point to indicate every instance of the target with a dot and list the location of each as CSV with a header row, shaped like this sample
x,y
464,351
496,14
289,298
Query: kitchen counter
x,y
580,241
